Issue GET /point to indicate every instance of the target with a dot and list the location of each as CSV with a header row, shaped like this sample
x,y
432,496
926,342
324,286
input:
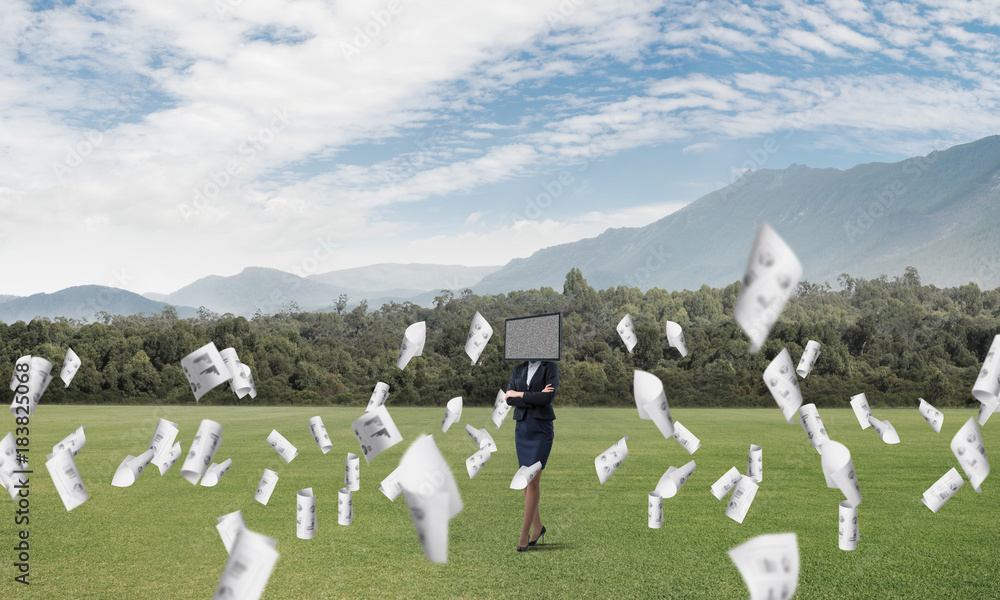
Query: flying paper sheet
x,y
390,485
206,443
861,410
655,510
431,495
475,462
808,358
215,473
987,386
971,454
524,476
685,438
482,438
12,461
168,458
942,490
651,401
66,477
626,331
839,471
131,468
379,395
783,384
32,377
73,442
500,409
675,337
725,483
480,332
352,472
609,460
452,413
742,498
755,463
250,563
848,533
240,377
770,278
413,343
318,431
268,480
813,426
305,514
769,565
282,446
19,376
229,527
986,409
204,369
71,364
670,482
375,432
162,444
345,507
885,430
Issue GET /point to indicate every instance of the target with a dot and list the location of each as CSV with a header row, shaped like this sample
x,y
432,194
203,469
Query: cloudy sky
x,y
148,144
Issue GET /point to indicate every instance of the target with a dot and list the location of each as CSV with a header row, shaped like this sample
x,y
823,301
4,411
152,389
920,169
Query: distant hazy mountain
x,y
7,297
939,213
411,277
82,302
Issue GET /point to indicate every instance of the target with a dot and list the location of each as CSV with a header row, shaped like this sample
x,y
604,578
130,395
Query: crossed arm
x,y
534,399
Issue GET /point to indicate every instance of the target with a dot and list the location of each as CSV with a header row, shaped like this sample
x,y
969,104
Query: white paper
x,y
861,410
725,483
967,445
812,424
266,486
169,458
215,473
162,444
206,443
848,533
742,498
655,504
345,507
352,472
480,332
318,431
73,442
71,364
305,514
675,337
481,438
229,527
838,468
282,446
685,438
21,367
413,343
390,485
240,377
986,409
130,469
942,490
29,385
608,461
755,463
783,384
885,430
670,482
475,462
248,568
379,395
808,358
204,369
626,331
431,495
11,461
500,408
375,432
769,565
769,280
66,477
651,401
452,413
524,476
987,386
933,416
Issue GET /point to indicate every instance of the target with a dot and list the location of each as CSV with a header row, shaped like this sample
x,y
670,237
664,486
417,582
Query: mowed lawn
x,y
157,539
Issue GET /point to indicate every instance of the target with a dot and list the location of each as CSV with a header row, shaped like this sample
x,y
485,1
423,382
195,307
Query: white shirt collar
x,y
532,369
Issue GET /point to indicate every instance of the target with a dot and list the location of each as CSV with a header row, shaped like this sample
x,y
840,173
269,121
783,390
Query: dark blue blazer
x,y
534,403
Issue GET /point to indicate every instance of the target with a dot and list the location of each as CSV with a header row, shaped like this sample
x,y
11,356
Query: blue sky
x,y
146,145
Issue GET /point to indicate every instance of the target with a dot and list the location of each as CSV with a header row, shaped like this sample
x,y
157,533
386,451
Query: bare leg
x,y
532,494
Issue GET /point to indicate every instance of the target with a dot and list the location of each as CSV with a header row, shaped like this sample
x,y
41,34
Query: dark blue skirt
x,y
533,438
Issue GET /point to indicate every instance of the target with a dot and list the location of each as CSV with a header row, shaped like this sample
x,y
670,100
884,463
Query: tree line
x,y
895,339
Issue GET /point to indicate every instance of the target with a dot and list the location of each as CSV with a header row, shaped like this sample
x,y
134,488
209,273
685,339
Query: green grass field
x,y
157,539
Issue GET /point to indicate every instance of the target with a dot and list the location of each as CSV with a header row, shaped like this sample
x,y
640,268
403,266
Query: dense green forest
x,y
892,338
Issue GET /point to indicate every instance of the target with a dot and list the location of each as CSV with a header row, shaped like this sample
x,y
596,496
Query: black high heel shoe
x,y
523,548
540,536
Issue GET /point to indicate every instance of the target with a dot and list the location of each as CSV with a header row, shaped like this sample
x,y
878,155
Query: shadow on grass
x,y
555,546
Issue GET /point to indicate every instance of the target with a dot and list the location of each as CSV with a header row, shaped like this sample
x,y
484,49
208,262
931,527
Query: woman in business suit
x,y
530,391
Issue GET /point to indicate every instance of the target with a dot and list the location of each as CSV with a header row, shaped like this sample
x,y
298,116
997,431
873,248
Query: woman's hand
x,y
548,389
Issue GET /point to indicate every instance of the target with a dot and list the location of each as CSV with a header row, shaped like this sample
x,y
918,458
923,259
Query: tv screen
x,y
533,338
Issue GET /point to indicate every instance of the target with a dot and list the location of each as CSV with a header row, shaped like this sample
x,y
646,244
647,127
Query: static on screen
x,y
533,338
